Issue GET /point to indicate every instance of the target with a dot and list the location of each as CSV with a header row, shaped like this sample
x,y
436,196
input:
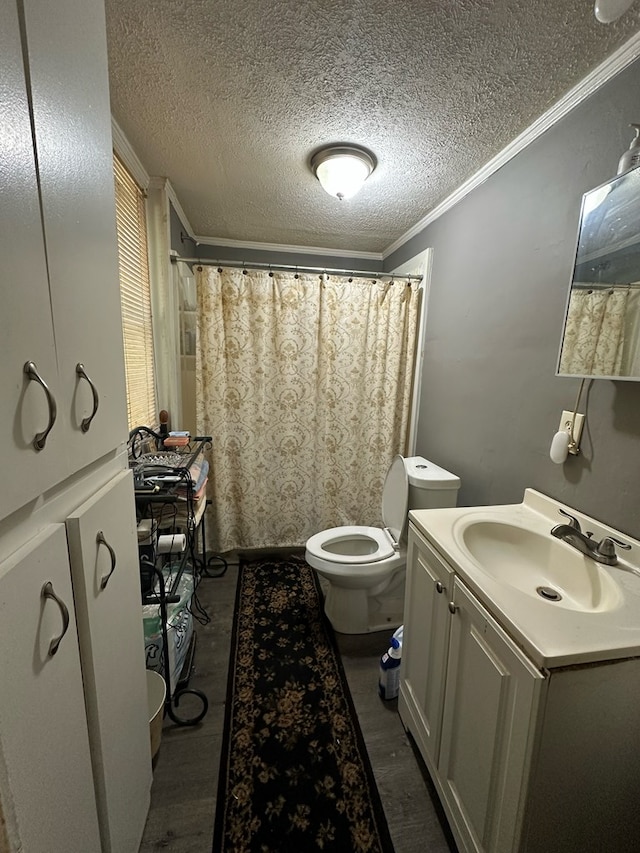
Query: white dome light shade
x,y
607,11
342,169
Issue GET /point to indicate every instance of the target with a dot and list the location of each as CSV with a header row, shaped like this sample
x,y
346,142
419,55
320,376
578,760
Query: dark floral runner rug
x,y
294,774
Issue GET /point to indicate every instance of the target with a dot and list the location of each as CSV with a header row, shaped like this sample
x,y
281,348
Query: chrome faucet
x,y
603,551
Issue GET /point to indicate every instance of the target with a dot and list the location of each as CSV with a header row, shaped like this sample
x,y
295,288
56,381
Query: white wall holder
x,y
572,423
567,440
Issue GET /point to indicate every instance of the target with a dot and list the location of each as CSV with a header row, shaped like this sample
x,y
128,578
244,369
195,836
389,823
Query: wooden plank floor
x,y
186,770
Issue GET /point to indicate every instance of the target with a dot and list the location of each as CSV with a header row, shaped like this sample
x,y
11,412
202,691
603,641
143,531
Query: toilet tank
x,y
430,486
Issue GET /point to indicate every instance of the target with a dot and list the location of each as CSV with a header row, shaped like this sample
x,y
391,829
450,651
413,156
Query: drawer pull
x,y
453,607
439,587
102,541
40,439
86,422
47,592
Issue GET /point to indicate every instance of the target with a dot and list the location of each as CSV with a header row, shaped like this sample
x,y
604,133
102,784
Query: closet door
x,y
44,745
26,329
103,547
67,57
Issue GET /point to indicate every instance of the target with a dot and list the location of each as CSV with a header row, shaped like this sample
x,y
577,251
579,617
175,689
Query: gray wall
x,y
502,263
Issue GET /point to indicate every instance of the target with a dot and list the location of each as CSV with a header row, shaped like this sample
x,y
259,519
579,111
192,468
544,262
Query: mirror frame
x,y
610,221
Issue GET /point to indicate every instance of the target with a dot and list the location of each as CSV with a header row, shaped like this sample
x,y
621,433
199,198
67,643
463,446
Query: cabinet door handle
x,y
439,587
102,541
453,607
86,422
40,439
47,592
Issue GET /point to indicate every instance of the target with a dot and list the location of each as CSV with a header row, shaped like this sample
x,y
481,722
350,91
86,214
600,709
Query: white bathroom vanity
x,y
520,678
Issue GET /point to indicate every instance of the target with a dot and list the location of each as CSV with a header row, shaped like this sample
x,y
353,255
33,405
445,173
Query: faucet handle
x,y
624,545
573,521
607,546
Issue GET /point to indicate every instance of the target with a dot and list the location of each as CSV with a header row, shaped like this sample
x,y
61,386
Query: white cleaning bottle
x,y
389,680
631,158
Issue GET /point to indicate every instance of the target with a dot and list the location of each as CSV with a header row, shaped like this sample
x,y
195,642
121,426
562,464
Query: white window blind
x,y
135,294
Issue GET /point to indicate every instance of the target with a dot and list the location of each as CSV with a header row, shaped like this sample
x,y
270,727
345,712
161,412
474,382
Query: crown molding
x,y
298,250
182,216
614,64
125,152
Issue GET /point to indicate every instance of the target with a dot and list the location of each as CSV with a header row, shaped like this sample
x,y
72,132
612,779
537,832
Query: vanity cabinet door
x,y
429,587
47,798
491,699
106,584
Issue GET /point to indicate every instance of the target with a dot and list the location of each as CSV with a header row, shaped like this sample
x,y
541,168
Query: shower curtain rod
x,y
290,268
632,285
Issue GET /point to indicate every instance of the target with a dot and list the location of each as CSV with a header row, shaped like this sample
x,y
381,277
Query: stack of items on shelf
x,y
184,476
177,587
192,495
179,625
176,439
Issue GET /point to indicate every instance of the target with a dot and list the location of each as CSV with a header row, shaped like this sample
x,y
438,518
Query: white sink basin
x,y
540,565
558,604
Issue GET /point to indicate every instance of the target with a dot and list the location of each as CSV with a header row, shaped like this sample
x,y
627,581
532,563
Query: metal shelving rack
x,y
148,495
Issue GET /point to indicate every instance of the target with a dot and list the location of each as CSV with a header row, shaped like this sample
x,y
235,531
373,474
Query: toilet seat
x,y
357,544
351,544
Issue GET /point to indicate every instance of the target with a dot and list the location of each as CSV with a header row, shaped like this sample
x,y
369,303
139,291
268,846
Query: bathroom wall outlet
x,y
565,425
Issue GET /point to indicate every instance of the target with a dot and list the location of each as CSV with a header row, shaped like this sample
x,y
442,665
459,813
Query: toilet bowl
x,y
362,569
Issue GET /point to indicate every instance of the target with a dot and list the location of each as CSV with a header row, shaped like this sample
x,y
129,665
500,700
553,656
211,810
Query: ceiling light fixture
x,y
342,169
607,11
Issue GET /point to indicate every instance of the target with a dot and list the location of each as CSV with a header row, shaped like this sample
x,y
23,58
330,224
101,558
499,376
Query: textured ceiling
x,y
228,98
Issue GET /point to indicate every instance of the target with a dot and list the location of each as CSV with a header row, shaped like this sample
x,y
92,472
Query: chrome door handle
x,y
439,587
86,422
102,541
453,607
40,439
48,592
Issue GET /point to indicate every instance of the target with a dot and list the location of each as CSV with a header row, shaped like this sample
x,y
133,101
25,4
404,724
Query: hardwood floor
x,y
186,770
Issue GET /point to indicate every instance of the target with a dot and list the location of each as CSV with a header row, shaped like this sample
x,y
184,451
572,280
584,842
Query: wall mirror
x,y
601,335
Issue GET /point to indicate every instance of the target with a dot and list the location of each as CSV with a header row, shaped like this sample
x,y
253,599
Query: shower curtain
x,y
595,331
304,381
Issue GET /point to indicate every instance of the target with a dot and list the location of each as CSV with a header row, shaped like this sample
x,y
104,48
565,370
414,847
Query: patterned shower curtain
x,y
304,382
593,342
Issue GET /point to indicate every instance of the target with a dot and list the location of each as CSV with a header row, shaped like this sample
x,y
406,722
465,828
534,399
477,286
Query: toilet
x,y
362,569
